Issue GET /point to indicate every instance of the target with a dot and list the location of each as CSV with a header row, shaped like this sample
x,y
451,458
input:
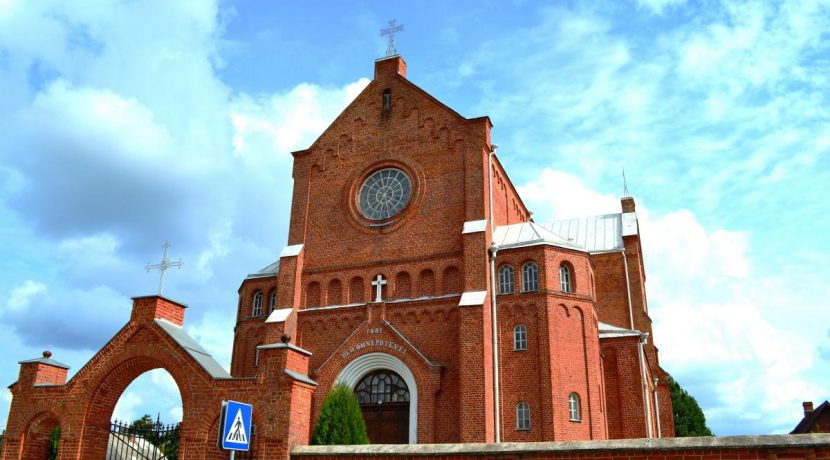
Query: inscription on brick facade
x,y
374,343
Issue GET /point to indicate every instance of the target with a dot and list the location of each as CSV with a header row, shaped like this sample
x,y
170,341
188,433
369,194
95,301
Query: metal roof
x,y
527,234
270,270
301,377
607,331
591,234
194,349
48,361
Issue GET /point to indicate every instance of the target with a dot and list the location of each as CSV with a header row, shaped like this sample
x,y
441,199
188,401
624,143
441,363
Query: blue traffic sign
x,y
236,426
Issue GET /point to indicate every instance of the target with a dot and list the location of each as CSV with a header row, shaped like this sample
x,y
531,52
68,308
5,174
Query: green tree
x,y
54,443
341,420
688,417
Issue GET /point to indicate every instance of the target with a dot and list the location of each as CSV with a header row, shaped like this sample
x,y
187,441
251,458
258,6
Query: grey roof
x,y
48,361
527,234
607,331
301,377
194,349
270,270
591,234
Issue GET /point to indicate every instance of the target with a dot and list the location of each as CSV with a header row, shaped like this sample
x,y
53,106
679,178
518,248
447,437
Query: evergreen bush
x,y
341,420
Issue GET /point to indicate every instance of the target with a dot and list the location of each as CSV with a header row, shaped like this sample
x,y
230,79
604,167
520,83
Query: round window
x,y
384,193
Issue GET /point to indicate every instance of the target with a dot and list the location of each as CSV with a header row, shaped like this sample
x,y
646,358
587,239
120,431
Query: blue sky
x,y
130,123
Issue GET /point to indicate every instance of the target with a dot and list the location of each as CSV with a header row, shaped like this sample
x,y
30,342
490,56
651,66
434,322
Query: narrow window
x,y
565,284
387,99
257,307
520,337
530,277
506,279
522,416
574,408
272,302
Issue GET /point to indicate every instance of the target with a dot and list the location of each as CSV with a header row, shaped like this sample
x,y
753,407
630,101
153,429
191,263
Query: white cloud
x,y
285,122
127,408
21,296
658,6
215,333
39,315
558,195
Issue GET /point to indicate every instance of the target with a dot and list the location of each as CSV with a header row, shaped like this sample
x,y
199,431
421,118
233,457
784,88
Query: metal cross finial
x,y
164,265
391,49
625,186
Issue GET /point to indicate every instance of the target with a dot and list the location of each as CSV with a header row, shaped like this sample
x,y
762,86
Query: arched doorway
x,y
102,437
353,373
145,423
384,399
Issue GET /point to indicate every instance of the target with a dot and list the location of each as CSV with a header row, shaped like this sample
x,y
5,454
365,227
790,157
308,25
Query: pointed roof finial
x,y
391,49
625,186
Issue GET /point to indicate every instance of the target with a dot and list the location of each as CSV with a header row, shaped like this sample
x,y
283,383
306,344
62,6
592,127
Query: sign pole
x,y
233,454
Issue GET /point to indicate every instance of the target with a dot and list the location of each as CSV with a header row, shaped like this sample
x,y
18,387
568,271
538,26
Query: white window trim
x,y
256,307
526,280
516,341
511,283
520,419
574,407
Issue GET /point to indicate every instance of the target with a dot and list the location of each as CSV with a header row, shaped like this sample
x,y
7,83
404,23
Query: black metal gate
x,y
143,441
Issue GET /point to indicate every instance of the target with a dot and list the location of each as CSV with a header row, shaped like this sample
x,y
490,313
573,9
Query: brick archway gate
x,y
99,412
152,339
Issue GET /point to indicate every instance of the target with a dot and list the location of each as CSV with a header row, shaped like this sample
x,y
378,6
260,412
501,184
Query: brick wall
x,y
808,446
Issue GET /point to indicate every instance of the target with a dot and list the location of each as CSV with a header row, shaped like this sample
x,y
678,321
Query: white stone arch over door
x,y
362,365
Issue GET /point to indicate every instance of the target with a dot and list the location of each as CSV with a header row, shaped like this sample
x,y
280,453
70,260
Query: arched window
x,y
530,277
272,301
522,416
257,306
381,387
520,337
506,280
574,408
565,284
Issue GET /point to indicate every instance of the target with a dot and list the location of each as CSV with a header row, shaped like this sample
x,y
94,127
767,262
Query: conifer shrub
x,y
341,420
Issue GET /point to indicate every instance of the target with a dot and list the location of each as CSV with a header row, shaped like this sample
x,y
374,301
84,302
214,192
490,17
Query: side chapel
x,y
413,273
409,246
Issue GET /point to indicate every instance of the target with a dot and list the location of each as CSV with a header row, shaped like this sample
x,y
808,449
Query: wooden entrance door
x,y
384,398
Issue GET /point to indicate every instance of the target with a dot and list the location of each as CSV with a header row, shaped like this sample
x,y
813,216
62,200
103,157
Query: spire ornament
x,y
391,49
164,265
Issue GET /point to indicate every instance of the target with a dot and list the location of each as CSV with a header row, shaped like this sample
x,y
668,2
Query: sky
x,y
127,124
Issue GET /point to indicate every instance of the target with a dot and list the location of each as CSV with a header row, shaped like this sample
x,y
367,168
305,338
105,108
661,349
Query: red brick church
x,y
415,274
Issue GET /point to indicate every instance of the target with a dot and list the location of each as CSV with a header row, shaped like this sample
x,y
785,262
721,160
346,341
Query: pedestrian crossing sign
x,y
236,426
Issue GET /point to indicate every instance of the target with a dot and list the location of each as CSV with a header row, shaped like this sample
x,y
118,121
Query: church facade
x,y
414,274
